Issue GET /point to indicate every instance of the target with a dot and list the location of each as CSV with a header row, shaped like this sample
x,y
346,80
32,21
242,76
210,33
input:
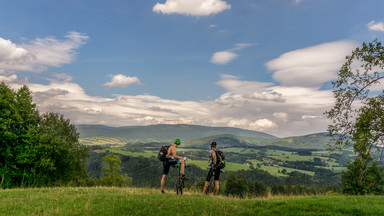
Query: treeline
x,y
147,172
238,185
37,149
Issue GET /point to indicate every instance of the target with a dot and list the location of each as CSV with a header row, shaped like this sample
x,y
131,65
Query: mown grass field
x,y
131,201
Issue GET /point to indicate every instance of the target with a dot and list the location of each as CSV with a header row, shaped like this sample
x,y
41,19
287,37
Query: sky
x,y
264,65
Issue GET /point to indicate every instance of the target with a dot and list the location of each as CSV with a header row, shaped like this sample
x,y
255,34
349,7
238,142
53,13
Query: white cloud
x,y
263,124
281,116
192,7
311,66
14,57
8,79
223,57
373,26
282,110
122,81
40,53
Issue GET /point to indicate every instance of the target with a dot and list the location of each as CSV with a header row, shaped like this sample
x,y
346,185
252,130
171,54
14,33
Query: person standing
x,y
213,169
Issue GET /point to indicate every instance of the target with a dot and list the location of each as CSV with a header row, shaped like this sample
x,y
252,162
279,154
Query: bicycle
x,y
211,185
180,179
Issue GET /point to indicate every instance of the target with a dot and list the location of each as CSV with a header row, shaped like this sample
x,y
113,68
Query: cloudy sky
x,y
252,64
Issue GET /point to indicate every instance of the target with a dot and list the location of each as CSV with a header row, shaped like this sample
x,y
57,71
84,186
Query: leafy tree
x,y
112,175
357,115
36,150
60,158
18,121
236,185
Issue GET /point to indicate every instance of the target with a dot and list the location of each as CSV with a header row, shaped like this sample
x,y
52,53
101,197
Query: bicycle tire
x,y
181,186
178,186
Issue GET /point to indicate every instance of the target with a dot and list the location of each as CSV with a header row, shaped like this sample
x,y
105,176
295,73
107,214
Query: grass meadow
x,y
137,201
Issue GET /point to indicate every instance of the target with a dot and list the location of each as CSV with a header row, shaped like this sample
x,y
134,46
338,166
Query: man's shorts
x,y
216,176
167,164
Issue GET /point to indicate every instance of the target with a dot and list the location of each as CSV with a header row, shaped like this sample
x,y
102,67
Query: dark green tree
x,y
19,119
36,150
112,174
236,185
357,115
59,157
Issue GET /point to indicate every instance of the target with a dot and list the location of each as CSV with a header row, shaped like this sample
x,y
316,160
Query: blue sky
x,y
263,65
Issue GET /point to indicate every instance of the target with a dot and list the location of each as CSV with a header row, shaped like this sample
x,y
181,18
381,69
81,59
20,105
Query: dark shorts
x,y
216,176
167,164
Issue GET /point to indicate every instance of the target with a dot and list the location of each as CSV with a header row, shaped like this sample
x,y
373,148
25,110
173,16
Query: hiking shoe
x,y
184,177
162,192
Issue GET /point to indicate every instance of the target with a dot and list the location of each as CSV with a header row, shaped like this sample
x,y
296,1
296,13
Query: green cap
x,y
177,141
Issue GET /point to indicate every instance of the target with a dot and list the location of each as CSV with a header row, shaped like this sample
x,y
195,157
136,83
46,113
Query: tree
x,y
112,175
19,119
60,158
37,150
357,115
236,185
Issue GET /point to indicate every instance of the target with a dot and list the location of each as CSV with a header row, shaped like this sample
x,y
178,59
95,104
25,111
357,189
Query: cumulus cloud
x,y
40,53
311,66
281,110
14,57
224,57
373,26
192,7
122,81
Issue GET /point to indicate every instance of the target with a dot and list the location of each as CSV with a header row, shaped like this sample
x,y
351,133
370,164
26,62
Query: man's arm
x,y
174,154
214,157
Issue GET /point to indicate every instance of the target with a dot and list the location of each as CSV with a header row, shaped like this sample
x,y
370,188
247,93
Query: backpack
x,y
163,153
220,159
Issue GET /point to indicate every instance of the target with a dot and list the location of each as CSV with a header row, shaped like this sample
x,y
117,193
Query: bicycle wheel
x,y
211,185
178,183
181,186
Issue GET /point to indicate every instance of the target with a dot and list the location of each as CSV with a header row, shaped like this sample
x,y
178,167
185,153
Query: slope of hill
x,y
318,141
162,133
195,136
228,141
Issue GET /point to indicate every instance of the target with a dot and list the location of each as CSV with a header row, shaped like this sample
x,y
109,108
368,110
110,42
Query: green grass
x,y
130,201
275,170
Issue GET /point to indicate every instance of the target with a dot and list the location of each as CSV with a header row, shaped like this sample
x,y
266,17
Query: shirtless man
x,y
172,159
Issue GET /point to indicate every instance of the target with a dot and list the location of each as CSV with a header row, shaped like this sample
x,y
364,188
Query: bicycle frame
x,y
180,180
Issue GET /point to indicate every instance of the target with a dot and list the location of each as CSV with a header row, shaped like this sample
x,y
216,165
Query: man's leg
x,y
163,182
182,166
205,187
216,187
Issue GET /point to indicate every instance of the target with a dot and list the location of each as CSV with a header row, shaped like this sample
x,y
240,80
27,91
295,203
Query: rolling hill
x,y
195,136
161,133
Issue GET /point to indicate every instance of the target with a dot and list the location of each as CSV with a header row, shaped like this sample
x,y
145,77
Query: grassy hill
x,y
318,141
195,136
159,133
131,201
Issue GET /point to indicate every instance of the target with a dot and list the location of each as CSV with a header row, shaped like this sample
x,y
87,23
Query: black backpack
x,y
163,153
220,159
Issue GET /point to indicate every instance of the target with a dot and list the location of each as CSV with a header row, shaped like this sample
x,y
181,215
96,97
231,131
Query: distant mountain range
x,y
196,136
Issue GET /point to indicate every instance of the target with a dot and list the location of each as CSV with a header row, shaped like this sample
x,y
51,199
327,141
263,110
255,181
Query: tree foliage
x,y
36,150
357,114
112,174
